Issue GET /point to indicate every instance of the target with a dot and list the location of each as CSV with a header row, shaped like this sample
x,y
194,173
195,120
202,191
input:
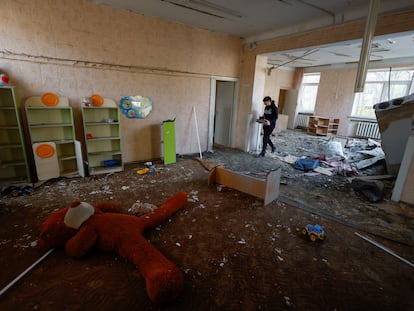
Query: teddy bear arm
x,y
165,211
82,242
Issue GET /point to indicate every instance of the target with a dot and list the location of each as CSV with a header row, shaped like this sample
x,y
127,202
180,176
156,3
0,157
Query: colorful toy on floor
x,y
16,191
314,232
81,227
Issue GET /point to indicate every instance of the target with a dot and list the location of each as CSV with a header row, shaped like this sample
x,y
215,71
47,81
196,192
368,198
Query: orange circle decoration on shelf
x,y
45,151
97,100
50,99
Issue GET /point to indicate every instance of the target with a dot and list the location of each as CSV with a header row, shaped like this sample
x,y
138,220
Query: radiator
x,y
368,130
302,121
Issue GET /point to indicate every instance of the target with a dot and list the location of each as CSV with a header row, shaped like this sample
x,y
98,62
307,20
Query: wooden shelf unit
x,y
323,126
54,125
103,138
333,126
14,166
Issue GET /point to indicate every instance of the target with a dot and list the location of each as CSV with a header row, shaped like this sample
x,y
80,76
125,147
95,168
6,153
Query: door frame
x,y
213,83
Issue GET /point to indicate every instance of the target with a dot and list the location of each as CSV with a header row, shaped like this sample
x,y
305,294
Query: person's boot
x,y
273,149
261,154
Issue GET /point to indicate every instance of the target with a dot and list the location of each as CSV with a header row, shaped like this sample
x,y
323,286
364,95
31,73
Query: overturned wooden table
x,y
266,189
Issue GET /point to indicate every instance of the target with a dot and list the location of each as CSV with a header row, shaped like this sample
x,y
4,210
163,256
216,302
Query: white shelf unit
x,y
55,125
103,138
14,166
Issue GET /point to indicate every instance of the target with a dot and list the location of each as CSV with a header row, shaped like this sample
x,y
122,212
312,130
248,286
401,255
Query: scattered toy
x,y
314,232
143,171
149,168
4,78
82,227
16,191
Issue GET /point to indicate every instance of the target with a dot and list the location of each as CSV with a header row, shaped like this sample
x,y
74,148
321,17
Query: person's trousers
x,y
267,131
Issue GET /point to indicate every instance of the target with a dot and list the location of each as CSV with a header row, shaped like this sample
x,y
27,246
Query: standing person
x,y
270,116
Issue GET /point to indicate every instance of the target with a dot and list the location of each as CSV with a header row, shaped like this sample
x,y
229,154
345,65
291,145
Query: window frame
x,y
384,92
301,92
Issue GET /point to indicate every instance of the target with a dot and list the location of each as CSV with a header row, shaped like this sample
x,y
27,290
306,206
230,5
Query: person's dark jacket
x,y
271,113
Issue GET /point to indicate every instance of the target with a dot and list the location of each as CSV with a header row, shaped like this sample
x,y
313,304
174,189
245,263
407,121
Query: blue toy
x,y
315,233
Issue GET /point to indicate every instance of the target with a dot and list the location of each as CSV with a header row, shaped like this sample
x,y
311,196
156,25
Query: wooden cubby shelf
x,y
323,126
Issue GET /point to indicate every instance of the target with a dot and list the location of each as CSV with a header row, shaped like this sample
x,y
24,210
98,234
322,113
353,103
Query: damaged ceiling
x,y
385,50
259,20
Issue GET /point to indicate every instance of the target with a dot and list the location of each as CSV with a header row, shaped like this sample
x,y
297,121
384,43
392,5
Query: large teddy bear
x,y
82,226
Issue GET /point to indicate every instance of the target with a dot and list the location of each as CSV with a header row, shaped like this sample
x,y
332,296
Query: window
x,y
382,85
308,92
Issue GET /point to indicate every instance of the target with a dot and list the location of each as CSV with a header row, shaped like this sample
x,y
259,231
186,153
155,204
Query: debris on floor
x,y
139,208
370,189
306,164
329,156
225,242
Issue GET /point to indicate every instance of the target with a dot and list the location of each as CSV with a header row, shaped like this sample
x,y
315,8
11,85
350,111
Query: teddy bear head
x,y
63,224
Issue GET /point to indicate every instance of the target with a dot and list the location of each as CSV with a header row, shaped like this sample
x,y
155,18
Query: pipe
x,y
366,46
198,135
25,272
385,249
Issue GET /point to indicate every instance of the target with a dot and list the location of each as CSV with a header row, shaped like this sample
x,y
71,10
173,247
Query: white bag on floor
x,y
333,151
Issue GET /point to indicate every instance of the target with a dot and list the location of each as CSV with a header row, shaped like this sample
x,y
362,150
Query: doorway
x,y
223,101
281,101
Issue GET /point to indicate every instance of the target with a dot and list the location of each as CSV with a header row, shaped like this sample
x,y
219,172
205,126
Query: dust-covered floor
x,y
235,253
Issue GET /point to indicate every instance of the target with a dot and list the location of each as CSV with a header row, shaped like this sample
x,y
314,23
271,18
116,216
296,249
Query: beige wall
x,y
244,130
76,48
336,96
277,80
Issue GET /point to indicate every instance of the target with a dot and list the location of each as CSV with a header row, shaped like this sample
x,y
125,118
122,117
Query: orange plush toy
x,y
82,226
